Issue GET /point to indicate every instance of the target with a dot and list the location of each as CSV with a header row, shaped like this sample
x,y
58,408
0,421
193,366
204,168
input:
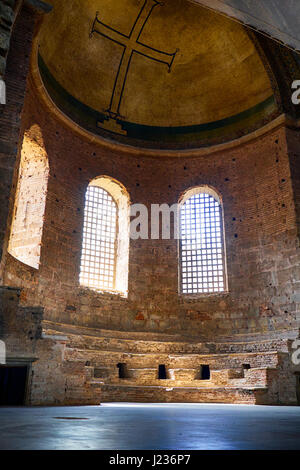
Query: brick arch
x,y
30,201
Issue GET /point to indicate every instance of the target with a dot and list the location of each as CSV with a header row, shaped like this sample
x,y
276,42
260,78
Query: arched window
x,y
105,244
202,246
30,202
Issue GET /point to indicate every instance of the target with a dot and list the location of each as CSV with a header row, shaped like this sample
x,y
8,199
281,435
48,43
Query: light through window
x,y
98,258
201,245
30,202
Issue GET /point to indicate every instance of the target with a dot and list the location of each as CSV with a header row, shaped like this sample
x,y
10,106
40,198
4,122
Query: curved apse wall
x,y
260,225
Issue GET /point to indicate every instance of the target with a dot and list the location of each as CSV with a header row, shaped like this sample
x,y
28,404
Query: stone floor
x,y
156,426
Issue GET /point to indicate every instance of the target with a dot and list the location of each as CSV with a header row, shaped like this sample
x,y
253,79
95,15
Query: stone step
x,y
189,377
128,345
171,361
152,394
154,382
140,342
181,376
116,334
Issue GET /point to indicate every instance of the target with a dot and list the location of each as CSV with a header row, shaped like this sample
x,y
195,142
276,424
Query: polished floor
x,y
156,426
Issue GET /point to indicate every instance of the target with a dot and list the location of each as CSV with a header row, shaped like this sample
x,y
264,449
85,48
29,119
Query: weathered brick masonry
x,y
10,114
17,26
73,338
260,227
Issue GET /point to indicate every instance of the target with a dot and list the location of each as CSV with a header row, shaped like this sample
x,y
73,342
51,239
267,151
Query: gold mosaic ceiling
x,y
169,74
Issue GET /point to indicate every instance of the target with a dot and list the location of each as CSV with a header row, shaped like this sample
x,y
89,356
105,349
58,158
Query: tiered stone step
x,y
87,338
105,367
172,361
239,372
181,369
158,394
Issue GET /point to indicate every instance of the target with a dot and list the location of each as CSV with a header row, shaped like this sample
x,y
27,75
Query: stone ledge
x,y
20,360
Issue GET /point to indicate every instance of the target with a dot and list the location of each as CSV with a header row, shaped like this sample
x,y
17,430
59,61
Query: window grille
x,y
201,245
98,258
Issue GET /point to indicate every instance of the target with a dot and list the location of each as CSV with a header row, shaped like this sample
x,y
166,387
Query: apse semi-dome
x,y
161,75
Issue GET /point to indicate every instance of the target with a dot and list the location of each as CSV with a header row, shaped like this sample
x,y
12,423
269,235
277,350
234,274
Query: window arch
x,y
202,243
30,201
105,242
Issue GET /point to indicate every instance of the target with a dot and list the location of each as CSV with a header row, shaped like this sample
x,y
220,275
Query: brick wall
x,y
260,224
294,154
7,17
17,67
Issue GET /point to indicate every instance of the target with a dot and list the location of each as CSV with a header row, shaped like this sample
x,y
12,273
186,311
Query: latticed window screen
x,y
98,257
201,245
